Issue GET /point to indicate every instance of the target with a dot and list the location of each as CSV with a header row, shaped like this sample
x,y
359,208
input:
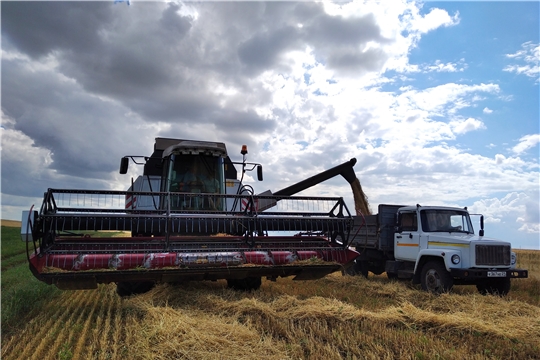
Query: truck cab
x,y
430,227
434,246
438,247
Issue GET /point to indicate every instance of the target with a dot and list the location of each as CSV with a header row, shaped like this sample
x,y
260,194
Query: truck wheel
x,y
499,287
132,288
246,284
435,278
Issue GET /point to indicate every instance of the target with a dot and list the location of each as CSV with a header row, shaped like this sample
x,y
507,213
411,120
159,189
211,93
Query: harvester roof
x,y
192,147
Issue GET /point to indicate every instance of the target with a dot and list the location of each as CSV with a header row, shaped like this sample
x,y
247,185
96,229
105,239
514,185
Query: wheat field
x,y
283,320
337,317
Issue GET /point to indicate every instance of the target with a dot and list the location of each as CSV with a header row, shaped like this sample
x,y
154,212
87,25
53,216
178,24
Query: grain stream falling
x,y
361,203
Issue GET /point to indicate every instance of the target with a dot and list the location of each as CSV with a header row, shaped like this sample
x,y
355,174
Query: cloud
x,y
530,55
514,207
448,67
52,26
531,217
56,121
434,19
445,99
499,159
464,126
526,142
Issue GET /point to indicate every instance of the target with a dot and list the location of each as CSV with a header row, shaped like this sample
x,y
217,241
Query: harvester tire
x,y
132,288
357,268
362,268
246,284
350,270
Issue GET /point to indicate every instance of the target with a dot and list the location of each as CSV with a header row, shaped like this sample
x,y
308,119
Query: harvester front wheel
x,y
246,284
357,268
132,288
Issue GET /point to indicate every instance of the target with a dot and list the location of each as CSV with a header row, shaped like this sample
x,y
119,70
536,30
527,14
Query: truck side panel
x,y
376,231
365,233
387,223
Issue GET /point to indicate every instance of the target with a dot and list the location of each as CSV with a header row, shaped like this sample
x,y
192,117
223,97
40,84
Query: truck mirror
x,y
259,173
398,229
124,163
481,232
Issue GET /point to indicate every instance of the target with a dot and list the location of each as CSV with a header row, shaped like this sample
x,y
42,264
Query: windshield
x,y
195,174
446,221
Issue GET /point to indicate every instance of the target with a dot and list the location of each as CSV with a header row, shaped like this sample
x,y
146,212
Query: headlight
x,y
455,259
513,259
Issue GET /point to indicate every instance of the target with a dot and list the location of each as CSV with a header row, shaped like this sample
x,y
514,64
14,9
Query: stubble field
x,y
337,317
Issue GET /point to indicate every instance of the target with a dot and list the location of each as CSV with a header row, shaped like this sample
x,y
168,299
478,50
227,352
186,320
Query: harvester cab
x,y
190,168
188,217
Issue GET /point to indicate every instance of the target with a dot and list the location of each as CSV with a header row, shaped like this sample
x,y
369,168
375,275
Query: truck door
x,y
407,242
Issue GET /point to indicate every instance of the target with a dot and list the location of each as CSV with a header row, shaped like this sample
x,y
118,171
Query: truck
x,y
434,246
188,217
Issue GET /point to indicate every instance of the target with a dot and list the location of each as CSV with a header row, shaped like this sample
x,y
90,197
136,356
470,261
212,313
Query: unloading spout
x,y
345,170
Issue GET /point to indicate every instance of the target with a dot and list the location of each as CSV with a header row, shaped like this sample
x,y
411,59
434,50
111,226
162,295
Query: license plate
x,y
496,273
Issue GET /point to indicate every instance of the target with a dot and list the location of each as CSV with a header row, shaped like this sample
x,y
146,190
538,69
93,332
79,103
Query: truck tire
x,y
499,287
132,288
246,284
435,279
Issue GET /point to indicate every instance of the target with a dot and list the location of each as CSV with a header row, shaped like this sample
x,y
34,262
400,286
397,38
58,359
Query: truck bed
x,y
375,231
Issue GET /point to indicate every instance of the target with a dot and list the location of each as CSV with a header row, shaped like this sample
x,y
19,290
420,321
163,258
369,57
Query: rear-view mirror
x,y
124,163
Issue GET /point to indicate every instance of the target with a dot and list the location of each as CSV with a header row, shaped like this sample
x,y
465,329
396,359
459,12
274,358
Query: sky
x,y
438,101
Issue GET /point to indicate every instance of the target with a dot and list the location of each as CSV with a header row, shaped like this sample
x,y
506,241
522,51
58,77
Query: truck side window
x,y
409,222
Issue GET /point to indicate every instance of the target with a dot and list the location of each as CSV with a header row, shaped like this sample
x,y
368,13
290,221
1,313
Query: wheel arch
x,y
423,258
445,256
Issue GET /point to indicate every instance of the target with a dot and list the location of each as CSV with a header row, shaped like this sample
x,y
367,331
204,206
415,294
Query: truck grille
x,y
493,255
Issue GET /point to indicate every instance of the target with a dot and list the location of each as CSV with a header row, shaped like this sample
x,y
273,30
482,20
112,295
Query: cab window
x,y
409,221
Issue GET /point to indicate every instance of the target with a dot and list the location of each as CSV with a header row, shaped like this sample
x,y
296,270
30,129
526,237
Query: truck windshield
x,y
446,221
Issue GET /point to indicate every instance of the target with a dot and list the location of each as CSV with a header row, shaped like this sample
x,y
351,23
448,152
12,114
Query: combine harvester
x,y
190,218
